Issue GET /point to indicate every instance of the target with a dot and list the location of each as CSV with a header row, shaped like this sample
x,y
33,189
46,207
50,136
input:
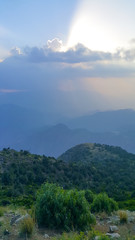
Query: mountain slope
x,y
112,168
86,166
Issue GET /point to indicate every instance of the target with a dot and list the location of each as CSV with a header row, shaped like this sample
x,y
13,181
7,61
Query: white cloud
x,y
55,44
15,51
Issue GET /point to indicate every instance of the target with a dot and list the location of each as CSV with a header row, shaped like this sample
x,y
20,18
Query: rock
x,y
113,229
14,218
113,235
22,218
131,219
115,219
46,236
97,238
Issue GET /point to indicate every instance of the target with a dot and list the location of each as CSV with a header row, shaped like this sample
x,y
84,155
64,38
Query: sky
x,y
67,58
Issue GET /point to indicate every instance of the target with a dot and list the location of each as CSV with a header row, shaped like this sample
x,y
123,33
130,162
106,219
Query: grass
x,y
26,227
123,216
1,211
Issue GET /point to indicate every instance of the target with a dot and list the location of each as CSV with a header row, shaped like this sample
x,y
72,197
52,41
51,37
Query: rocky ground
x,y
112,226
10,221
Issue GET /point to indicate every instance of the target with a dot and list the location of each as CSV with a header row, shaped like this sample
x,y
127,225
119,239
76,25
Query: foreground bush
x,y
62,209
102,203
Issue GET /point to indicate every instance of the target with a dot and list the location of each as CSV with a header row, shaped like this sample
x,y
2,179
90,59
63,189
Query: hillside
x,y
86,166
111,168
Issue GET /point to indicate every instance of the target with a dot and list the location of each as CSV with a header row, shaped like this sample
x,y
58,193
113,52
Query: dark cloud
x,y
54,81
73,55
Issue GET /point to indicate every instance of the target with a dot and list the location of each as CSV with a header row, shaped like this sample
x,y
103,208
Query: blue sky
x,y
29,22
67,57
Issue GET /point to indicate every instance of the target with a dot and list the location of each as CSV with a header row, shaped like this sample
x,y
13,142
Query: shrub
x,y
102,203
27,226
89,195
62,209
123,216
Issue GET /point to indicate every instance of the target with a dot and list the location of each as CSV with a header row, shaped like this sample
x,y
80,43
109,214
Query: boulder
x,y
113,229
113,235
14,218
22,218
46,236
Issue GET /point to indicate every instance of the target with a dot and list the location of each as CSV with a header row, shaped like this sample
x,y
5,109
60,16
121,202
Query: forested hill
x,y
86,166
90,152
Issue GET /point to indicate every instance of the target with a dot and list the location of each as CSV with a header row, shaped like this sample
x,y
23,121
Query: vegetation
x,y
90,235
92,167
1,212
62,209
26,227
102,203
123,217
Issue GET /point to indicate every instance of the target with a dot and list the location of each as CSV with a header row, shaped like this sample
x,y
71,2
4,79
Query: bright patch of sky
x,y
103,25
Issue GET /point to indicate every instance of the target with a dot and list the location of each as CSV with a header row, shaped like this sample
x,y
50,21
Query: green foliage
x,y
27,226
71,236
129,205
89,195
123,217
62,209
102,203
90,235
22,173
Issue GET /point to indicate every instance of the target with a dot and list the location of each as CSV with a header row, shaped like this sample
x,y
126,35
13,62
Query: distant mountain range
x,y
108,121
22,128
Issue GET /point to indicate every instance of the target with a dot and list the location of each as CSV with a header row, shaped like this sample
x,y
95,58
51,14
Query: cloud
x,y
2,90
15,51
68,83
77,54
55,44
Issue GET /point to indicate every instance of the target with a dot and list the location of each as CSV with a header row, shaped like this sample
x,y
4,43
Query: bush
x,y
89,195
102,203
62,209
27,226
123,216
